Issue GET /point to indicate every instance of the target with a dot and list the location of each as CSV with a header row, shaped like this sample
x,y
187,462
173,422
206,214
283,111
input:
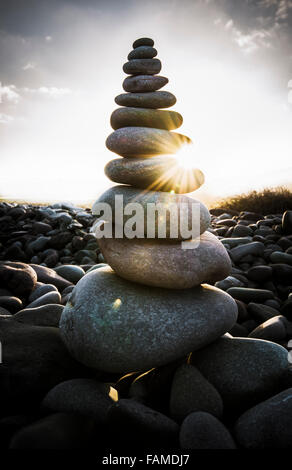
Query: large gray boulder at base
x,y
118,326
167,264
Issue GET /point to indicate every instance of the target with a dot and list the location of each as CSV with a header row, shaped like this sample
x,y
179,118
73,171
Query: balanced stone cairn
x,y
148,307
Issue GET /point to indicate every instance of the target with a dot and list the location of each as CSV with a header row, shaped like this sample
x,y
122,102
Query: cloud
x,y
29,66
5,118
52,92
9,94
48,38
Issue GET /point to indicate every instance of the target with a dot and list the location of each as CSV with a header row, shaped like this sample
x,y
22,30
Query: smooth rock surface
x,y
190,391
81,396
49,276
249,294
144,83
58,431
41,290
143,42
142,67
145,142
20,278
142,52
141,425
49,298
35,360
145,117
156,174
268,424
155,99
162,226
202,431
161,264
45,315
274,329
148,327
70,272
243,370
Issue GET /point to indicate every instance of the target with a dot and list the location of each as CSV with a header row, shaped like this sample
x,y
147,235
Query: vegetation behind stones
x,y
267,201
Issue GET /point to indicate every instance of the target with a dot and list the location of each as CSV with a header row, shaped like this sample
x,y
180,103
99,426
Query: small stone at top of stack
x,y
143,129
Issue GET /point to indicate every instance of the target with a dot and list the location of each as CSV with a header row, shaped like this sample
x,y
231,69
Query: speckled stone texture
x,y
162,264
268,424
155,99
144,83
145,141
243,370
156,174
119,326
145,117
133,195
142,66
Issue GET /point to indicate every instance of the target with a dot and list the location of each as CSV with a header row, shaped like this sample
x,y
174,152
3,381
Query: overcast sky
x,y
229,63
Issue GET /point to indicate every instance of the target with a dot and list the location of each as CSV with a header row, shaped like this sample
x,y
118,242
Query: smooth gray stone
x,y
133,195
253,248
70,272
232,242
202,431
268,424
49,298
148,327
35,359
287,222
142,52
145,142
49,276
261,312
145,117
279,257
20,278
143,42
274,329
39,244
190,391
260,273
11,303
58,431
81,396
151,99
142,67
228,282
155,174
45,315
249,294
144,83
41,290
140,424
161,264
245,371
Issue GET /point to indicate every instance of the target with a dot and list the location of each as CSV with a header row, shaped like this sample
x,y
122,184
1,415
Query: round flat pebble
x,y
144,83
142,67
151,99
145,117
145,142
143,42
155,174
201,430
142,52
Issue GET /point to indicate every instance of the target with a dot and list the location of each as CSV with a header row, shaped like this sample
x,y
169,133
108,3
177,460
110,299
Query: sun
x,y
185,157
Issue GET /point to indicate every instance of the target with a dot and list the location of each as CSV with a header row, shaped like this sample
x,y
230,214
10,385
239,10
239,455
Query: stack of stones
x,y
148,307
